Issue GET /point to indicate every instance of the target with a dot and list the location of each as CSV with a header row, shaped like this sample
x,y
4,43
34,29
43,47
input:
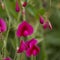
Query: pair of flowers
x,y
45,24
17,8
29,46
24,29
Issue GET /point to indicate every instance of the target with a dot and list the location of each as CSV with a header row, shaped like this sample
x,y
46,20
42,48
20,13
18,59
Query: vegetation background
x,y
49,41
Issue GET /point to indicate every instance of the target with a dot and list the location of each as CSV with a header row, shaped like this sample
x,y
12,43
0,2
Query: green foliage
x,y
50,46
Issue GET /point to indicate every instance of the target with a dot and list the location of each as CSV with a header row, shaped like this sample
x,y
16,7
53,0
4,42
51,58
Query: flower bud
x,y
45,25
17,8
41,20
24,4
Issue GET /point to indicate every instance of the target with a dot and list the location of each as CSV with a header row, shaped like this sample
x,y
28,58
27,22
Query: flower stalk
x,y
5,42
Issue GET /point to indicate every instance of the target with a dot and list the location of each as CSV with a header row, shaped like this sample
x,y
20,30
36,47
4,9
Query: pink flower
x,y
17,8
31,42
7,58
24,4
21,47
45,25
24,29
33,50
3,27
41,20
30,47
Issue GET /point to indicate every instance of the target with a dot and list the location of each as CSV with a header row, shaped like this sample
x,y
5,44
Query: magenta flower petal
x,y
24,29
3,27
34,50
41,20
31,47
8,58
25,33
21,47
17,8
28,52
31,42
45,25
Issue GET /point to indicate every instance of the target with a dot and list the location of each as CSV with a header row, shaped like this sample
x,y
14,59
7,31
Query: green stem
x,y
0,56
24,17
44,56
32,57
5,42
23,12
43,51
16,48
18,57
7,10
50,3
19,14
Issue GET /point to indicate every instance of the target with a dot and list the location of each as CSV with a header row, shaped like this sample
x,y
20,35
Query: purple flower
x,y
30,47
7,58
17,8
33,50
24,29
31,42
21,47
41,20
3,27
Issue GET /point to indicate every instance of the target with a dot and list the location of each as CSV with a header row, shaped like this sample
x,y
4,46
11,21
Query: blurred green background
x,y
50,46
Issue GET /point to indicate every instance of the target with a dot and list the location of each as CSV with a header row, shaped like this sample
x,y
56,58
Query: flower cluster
x,y
46,24
25,29
29,46
17,7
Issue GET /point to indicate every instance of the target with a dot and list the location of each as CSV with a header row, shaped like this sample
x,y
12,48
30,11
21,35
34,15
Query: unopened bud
x,y
41,20
24,4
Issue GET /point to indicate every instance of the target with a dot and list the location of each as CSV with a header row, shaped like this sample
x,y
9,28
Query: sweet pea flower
x,y
3,27
21,47
24,29
31,42
32,48
7,58
17,8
